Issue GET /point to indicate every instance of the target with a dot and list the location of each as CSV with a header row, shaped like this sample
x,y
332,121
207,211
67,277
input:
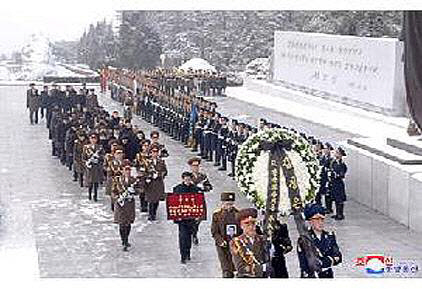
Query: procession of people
x,y
104,149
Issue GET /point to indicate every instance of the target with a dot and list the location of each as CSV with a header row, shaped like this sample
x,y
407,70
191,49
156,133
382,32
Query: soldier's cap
x,y
91,89
314,210
32,84
45,86
154,133
328,146
114,142
194,159
228,196
249,213
263,120
155,148
234,121
186,174
341,151
145,141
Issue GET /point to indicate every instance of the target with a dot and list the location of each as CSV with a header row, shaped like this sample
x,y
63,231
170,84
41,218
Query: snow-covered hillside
x,y
38,61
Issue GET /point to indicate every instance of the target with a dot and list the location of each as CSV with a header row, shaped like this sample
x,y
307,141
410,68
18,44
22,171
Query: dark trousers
x,y
185,238
91,186
124,230
152,209
278,265
196,228
33,112
144,203
48,117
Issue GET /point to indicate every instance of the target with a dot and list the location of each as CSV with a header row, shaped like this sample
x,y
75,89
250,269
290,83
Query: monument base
x,y
386,175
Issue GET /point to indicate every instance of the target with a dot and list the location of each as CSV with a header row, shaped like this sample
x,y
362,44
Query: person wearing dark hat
x,y
32,103
78,166
93,155
337,173
325,242
248,249
44,99
224,227
155,189
200,180
155,141
122,193
186,226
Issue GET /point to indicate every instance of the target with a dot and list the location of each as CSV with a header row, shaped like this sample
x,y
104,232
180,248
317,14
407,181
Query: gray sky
x,y
56,19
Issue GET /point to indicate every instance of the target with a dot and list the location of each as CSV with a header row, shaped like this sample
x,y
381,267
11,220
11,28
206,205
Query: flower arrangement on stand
x,y
252,168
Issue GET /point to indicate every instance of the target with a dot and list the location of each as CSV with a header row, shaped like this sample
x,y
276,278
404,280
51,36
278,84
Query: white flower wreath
x,y
252,168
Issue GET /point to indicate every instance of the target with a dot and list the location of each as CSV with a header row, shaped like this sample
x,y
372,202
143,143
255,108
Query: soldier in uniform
x,y
78,166
154,190
186,226
337,174
93,157
248,249
91,100
112,165
44,99
123,195
200,180
142,164
325,242
224,228
325,162
155,137
32,103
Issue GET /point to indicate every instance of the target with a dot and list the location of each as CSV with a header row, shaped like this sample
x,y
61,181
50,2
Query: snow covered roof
x,y
198,63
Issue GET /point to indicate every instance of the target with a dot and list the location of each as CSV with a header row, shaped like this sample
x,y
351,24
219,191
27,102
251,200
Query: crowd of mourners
x,y
106,149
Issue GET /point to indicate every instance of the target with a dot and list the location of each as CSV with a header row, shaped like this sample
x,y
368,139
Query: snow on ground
x,y
317,110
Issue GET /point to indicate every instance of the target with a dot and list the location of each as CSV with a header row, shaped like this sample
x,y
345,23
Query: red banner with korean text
x,y
186,206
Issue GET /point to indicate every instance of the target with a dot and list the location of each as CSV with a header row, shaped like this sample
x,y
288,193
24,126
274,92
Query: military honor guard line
x,y
105,149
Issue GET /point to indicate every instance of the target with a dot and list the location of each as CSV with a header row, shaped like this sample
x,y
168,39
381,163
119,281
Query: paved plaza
x,y
48,225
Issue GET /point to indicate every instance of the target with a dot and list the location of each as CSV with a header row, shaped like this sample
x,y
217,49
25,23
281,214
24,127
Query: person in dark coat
x,y
93,156
282,245
224,228
122,193
337,187
154,189
325,242
186,226
44,99
32,103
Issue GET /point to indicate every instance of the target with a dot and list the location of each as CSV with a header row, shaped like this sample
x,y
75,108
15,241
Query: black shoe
x,y
149,218
194,150
89,197
230,175
334,217
125,248
217,164
144,210
188,258
222,169
183,261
